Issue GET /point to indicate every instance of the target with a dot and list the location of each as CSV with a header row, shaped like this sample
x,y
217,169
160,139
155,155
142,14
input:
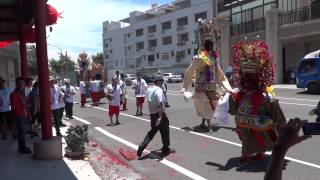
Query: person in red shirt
x,y
20,113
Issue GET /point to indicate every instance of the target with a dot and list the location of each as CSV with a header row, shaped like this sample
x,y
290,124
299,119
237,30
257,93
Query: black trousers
x,y
56,117
21,128
69,111
164,131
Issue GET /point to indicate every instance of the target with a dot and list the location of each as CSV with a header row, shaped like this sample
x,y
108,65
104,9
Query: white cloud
x,y
81,25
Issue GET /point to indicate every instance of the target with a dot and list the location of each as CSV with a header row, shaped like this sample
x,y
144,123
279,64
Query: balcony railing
x,y
300,15
248,27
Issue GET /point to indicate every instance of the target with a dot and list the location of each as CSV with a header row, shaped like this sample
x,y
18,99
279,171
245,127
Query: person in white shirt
x,y
159,120
113,93
94,87
69,91
83,93
123,87
6,122
140,86
28,88
56,96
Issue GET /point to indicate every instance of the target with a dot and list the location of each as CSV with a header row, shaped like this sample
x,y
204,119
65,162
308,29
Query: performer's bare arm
x,y
187,80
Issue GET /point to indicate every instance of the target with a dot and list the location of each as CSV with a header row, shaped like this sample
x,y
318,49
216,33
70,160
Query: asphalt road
x,y
200,155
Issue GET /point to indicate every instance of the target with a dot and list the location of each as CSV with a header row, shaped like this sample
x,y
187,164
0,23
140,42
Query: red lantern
x,y
4,44
52,14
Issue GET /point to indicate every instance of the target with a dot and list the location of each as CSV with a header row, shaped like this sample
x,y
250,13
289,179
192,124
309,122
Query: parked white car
x,y
128,78
172,77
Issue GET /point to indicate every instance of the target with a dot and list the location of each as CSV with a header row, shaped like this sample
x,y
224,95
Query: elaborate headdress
x,y
207,30
252,57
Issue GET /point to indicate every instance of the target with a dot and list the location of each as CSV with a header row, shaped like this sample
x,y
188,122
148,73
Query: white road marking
x,y
298,99
82,120
214,138
170,164
297,104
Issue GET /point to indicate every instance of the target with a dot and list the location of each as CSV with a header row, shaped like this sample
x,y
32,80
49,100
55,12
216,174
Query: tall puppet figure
x,y
209,78
257,115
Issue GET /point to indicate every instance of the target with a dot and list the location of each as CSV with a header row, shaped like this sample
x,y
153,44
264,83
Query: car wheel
x,y
314,88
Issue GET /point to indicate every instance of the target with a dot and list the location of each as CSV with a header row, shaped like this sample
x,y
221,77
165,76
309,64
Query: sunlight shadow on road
x,y
254,166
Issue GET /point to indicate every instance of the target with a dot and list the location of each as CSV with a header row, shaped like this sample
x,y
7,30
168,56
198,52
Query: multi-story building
x,y
291,28
160,39
9,64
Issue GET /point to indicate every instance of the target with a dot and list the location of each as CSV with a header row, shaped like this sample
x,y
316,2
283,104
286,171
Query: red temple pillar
x,y
43,71
23,58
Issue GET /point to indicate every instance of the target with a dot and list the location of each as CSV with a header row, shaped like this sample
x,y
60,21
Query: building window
x,y
165,56
183,37
140,45
107,45
182,21
180,55
139,32
152,29
166,25
195,51
172,53
152,43
189,51
202,15
287,5
151,59
167,40
158,56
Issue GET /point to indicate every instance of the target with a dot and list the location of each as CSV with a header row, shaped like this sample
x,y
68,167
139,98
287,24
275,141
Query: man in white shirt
x,y
140,86
69,91
56,96
113,93
28,88
6,122
158,117
83,93
123,87
94,87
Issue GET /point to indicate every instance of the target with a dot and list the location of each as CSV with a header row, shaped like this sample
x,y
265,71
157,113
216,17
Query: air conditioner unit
x,y
151,48
137,49
163,31
181,43
179,28
150,34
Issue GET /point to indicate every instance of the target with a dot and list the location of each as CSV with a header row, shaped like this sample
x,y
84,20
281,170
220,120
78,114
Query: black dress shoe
x,y
139,152
168,151
25,150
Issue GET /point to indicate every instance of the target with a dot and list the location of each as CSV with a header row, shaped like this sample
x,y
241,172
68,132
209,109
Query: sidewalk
x,y
15,166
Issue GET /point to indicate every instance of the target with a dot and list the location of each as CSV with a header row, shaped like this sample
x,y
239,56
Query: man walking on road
x,y
69,92
113,93
159,119
140,86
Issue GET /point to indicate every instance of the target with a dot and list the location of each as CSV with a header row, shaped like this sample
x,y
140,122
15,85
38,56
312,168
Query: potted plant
x,y
77,137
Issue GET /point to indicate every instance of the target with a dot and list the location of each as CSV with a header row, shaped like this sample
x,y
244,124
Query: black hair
x,y
35,85
19,79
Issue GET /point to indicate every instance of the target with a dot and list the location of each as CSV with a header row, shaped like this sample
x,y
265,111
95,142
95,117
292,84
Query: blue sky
x,y
81,25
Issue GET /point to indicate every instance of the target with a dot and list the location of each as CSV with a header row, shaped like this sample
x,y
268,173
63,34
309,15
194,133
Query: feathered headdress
x,y
253,57
207,30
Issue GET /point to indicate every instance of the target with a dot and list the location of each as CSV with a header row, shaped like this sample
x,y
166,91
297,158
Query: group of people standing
x,y
20,108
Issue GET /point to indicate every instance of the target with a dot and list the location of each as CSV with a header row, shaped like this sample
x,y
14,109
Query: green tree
x,y
98,58
64,64
32,60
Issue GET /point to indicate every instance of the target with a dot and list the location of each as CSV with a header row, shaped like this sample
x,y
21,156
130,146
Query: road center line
x,y
214,138
170,164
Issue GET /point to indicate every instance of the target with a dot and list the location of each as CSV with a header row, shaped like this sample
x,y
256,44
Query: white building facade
x,y
160,39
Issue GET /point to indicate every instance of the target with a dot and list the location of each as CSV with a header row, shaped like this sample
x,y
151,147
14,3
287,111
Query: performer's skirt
x,y
204,107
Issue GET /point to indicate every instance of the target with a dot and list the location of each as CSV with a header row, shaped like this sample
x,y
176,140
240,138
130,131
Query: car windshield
x,y
175,74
